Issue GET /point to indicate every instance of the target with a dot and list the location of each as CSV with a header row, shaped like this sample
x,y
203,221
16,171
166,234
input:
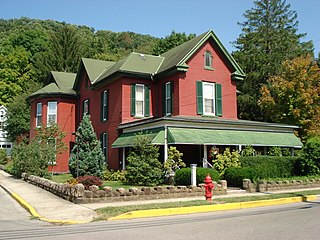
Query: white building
x,y
4,143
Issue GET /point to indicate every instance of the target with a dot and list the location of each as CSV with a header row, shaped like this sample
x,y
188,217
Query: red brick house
x,y
186,97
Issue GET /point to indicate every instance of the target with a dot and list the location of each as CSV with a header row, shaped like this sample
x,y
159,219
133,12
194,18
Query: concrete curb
x,y
211,208
34,213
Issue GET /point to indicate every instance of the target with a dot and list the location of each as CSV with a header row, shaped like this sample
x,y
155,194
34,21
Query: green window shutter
x,y
133,100
172,86
199,98
146,101
218,100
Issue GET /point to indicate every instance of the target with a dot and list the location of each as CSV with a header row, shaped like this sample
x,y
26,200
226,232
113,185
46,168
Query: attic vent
x,y
142,56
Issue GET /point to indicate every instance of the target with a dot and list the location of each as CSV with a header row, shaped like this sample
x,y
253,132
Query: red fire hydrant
x,y
208,186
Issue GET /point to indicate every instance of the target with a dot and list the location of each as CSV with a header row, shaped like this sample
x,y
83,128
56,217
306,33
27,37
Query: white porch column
x,y
123,158
165,143
292,152
205,156
265,150
240,148
193,174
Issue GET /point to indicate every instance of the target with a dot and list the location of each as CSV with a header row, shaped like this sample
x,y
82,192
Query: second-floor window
x,y
39,115
86,107
209,98
104,106
168,98
140,100
52,113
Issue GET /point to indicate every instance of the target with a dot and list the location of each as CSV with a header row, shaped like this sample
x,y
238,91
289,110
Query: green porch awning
x,y
156,136
232,137
198,136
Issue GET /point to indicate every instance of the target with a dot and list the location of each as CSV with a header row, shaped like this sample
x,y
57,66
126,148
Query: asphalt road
x,y
294,221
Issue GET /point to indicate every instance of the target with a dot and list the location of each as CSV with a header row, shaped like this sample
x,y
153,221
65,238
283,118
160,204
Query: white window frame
x,y
104,105
140,100
85,109
53,112
208,55
204,84
168,98
104,141
38,115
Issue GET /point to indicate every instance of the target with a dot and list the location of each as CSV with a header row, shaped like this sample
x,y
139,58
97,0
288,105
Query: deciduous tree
x,y
293,96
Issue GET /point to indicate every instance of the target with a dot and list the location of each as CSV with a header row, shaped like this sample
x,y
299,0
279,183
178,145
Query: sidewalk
x,y
48,207
43,204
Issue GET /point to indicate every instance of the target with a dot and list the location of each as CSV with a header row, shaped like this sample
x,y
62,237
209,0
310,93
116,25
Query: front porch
x,y
194,137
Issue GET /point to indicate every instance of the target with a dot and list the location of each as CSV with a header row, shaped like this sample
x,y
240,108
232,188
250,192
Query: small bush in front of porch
x,y
143,167
226,160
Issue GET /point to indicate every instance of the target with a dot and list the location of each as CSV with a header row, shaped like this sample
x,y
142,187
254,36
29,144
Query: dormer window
x,y
208,60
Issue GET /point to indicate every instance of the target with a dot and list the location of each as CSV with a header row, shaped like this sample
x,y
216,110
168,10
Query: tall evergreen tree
x,y
269,37
86,156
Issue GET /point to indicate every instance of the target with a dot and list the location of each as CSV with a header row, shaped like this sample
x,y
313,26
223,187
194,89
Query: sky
x,y
159,18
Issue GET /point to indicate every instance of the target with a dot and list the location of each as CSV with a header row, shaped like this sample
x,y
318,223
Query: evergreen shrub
x,y
144,167
183,175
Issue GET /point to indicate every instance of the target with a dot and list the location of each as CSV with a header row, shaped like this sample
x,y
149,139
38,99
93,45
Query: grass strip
x,y
107,212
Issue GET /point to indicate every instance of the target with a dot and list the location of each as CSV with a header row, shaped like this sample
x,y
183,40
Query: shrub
x,y
183,175
235,176
88,181
275,151
3,157
311,153
226,160
174,161
270,166
111,175
143,167
32,158
248,151
72,181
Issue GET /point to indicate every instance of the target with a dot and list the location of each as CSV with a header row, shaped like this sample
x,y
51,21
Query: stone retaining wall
x,y
267,186
77,193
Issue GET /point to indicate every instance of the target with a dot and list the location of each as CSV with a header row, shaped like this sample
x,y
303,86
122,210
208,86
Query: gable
x,y
177,58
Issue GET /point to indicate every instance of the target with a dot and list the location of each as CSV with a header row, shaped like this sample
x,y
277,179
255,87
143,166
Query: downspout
x,y
165,143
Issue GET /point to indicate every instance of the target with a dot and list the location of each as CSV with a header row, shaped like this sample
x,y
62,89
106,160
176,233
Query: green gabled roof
x,y
177,57
95,67
135,63
60,83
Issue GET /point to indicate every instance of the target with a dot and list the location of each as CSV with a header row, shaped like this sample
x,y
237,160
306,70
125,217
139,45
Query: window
x,y
208,60
167,98
140,100
104,106
52,113
104,145
86,107
39,115
209,98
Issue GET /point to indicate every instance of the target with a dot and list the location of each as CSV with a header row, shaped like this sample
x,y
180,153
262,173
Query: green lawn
x,y
106,213
62,178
